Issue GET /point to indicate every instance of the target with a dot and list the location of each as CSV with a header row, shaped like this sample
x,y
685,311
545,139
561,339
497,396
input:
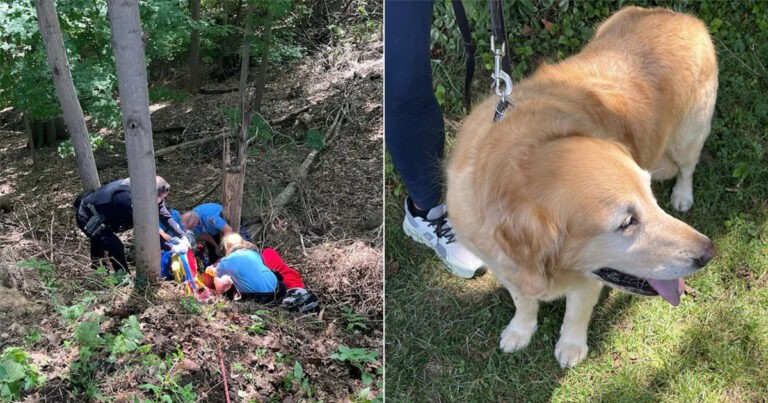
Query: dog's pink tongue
x,y
670,290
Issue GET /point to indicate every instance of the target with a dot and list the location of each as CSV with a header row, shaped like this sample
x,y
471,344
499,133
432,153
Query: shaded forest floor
x,y
73,323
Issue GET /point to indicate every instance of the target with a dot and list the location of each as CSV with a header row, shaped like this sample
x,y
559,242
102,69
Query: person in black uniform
x,y
107,211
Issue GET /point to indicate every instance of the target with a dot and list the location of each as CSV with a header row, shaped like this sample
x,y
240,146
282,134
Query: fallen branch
x,y
216,91
168,129
290,115
282,199
213,187
191,143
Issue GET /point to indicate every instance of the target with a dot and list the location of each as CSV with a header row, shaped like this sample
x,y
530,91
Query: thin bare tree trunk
x,y
234,171
128,47
194,49
30,137
65,89
261,81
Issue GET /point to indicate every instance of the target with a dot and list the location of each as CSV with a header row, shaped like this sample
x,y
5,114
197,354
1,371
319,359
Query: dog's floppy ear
x,y
531,239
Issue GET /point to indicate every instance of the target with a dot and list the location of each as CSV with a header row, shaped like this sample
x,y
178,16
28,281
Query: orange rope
x,y
223,374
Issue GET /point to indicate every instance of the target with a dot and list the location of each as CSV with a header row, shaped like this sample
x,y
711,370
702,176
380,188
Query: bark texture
x,y
128,47
65,90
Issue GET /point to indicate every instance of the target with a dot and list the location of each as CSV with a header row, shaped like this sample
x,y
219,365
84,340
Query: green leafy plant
x,y
260,352
359,358
67,149
190,305
314,139
17,374
33,337
259,325
258,128
25,75
297,381
354,322
72,313
165,94
364,395
45,270
168,389
95,349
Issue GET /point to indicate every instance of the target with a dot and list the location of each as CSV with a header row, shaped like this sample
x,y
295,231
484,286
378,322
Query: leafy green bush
x,y
25,76
354,322
17,374
359,358
164,94
168,389
297,381
45,270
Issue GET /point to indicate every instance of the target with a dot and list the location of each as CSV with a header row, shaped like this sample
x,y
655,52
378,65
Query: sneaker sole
x,y
458,272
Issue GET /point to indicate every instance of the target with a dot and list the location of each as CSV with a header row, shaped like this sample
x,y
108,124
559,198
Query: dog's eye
x,y
628,222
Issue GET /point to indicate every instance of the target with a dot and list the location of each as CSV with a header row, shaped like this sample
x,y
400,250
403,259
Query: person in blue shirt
x,y
242,274
111,205
206,222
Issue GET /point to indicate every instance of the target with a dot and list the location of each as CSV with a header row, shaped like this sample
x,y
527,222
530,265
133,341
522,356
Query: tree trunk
x,y
261,81
134,103
30,137
65,89
194,48
50,132
234,171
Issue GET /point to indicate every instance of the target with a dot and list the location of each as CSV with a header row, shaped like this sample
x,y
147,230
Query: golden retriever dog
x,y
556,197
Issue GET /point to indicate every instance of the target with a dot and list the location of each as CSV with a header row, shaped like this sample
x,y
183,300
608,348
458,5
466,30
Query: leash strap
x,y
502,83
497,29
469,49
498,113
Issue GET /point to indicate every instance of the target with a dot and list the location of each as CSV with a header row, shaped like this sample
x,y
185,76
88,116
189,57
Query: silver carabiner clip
x,y
498,74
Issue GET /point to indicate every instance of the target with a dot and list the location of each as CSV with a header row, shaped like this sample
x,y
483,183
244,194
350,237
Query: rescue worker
x,y
246,274
107,211
206,222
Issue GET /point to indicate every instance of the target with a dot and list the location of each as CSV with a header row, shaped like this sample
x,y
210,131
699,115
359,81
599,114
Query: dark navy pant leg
x,y
414,131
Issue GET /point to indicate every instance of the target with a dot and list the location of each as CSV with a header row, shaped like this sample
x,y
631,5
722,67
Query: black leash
x,y
469,49
497,30
502,83
501,59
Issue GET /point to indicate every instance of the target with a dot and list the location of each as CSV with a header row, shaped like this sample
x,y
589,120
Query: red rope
x,y
223,373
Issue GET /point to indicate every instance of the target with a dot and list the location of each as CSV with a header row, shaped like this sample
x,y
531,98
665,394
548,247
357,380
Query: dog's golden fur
x,y
560,187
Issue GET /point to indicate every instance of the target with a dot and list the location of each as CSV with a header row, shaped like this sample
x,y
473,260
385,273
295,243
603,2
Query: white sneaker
x,y
436,232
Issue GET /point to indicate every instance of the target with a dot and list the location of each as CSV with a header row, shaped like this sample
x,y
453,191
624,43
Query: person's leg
x,y
291,277
415,134
213,253
112,244
414,131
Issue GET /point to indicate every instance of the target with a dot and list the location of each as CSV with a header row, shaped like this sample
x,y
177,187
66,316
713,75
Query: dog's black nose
x,y
706,256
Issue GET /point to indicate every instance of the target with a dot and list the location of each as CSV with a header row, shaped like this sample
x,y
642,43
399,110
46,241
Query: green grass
x,y
442,332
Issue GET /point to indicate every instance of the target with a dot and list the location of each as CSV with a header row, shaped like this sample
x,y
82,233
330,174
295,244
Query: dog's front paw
x,y
681,200
570,354
515,338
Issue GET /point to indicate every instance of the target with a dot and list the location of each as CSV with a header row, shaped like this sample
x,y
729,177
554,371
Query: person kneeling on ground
x,y
207,223
107,211
245,274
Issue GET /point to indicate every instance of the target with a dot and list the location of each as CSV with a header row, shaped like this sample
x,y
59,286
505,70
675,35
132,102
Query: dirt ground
x,y
331,232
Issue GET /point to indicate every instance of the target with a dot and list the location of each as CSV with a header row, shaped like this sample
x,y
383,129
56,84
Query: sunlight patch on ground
x,y
6,188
